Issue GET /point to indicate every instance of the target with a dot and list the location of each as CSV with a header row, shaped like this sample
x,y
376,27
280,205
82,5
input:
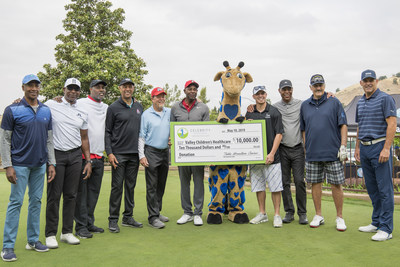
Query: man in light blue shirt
x,y
153,154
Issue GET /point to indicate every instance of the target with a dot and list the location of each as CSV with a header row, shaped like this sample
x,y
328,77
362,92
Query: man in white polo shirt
x,y
70,141
89,189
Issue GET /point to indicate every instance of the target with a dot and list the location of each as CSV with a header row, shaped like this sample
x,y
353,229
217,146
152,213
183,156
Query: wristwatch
x,y
89,161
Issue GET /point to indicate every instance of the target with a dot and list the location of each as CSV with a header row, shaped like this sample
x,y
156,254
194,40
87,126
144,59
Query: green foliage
x,y
395,81
398,75
173,95
203,95
213,114
382,78
94,46
337,90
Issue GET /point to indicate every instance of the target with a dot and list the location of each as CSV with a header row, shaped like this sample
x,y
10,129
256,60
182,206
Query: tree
x,y
213,114
382,78
395,81
398,75
337,90
173,95
94,46
203,95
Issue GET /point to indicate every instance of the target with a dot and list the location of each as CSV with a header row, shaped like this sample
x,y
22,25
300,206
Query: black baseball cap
x,y
126,80
285,83
96,82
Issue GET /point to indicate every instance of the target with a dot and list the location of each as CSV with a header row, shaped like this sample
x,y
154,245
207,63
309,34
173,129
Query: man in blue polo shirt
x,y
324,128
153,154
376,118
26,147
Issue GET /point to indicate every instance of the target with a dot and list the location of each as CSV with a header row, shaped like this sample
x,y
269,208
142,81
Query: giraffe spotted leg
x,y
237,195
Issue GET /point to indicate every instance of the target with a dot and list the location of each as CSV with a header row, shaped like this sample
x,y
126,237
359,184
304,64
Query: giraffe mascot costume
x,y
229,179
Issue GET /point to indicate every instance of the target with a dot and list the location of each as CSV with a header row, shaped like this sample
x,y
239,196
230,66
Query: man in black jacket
x,y
121,142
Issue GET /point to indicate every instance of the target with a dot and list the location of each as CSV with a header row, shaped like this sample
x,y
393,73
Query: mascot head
x,y
233,80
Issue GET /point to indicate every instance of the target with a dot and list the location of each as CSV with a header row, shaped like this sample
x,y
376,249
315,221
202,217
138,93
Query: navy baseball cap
x,y
30,77
96,82
285,83
126,80
317,79
259,88
368,74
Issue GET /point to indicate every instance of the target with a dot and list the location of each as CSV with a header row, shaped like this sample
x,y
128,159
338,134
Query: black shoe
x,y
289,217
131,223
95,229
303,219
84,233
113,227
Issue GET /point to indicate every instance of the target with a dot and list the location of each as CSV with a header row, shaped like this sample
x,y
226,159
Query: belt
x,y
69,151
372,142
299,144
156,149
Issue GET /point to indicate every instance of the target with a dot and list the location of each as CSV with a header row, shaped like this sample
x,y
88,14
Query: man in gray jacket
x,y
189,109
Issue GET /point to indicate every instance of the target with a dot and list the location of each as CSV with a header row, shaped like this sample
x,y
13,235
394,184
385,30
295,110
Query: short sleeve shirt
x,y
371,115
273,124
29,133
68,121
321,120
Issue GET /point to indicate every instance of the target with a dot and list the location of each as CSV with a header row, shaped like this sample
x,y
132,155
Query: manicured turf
x,y
228,244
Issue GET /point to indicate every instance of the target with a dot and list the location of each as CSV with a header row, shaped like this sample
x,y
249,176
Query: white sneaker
x,y
340,225
277,221
198,221
317,221
381,236
184,219
260,218
51,242
368,229
70,239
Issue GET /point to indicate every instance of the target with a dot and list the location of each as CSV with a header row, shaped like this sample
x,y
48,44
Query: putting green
x,y
213,245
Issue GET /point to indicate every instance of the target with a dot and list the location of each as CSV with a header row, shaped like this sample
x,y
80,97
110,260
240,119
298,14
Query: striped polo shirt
x,y
371,115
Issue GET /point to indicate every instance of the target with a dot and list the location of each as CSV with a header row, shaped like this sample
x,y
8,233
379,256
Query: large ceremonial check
x,y
210,142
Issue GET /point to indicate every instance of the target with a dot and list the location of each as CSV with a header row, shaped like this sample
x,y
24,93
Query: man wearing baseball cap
x,y
153,154
291,151
89,189
270,172
376,118
324,128
70,141
189,109
121,143
26,148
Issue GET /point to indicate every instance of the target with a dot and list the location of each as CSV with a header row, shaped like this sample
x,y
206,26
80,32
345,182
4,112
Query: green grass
x,y
228,244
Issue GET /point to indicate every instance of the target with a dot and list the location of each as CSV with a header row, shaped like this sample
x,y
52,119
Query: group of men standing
x,y
67,136
312,135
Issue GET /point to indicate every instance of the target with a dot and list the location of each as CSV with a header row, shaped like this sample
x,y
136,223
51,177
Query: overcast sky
x,y
181,40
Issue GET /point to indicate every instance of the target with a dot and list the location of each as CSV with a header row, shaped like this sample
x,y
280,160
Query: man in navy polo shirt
x,y
323,124
376,118
26,147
